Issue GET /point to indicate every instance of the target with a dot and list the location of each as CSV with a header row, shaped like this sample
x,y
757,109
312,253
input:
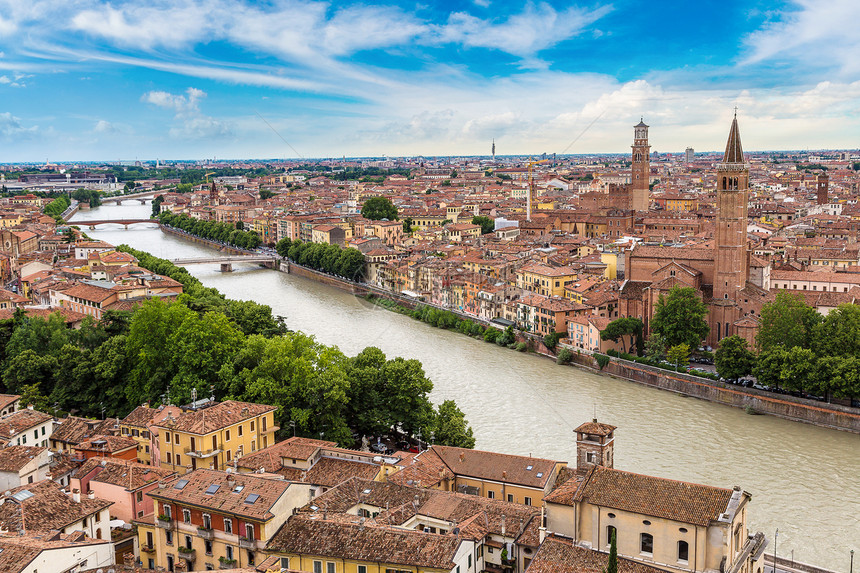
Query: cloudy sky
x,y
90,80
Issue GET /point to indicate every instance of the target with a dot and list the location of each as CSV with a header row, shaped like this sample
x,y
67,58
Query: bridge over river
x,y
226,262
92,223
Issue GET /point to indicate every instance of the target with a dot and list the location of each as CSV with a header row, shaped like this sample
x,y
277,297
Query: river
x,y
804,480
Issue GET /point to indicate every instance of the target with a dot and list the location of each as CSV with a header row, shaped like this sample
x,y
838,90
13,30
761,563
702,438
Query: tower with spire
x,y
641,170
731,257
494,150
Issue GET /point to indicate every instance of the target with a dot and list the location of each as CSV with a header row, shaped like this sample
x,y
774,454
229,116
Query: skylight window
x,y
213,488
23,495
238,488
181,484
365,491
540,474
529,468
252,498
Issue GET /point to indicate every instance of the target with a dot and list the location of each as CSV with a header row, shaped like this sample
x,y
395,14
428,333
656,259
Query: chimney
x,y
76,495
504,474
181,566
29,406
462,456
503,525
128,561
91,495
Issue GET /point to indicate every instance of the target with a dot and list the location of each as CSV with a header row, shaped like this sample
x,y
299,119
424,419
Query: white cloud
x,y
536,28
822,33
191,122
11,128
103,126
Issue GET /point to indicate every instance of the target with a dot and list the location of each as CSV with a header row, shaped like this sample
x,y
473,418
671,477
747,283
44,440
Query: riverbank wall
x,y
832,416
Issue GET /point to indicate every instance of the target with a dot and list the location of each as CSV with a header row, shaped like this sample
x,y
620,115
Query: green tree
x,y
839,333
551,340
786,322
486,223
450,427
378,208
680,317
679,354
612,561
655,347
283,246
407,225
733,358
625,326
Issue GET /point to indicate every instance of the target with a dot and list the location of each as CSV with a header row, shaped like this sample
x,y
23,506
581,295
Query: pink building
x,y
122,482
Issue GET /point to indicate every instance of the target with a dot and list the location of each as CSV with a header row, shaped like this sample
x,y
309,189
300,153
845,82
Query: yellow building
x,y
138,425
545,280
214,436
215,519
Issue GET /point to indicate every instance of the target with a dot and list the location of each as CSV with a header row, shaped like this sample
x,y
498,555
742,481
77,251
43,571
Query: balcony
x,y
205,533
226,563
147,548
202,454
187,554
164,522
246,543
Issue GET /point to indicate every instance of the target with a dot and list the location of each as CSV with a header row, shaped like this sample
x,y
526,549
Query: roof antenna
x,y
595,413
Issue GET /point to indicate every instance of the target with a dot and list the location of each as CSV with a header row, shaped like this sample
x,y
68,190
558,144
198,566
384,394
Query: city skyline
x,y
95,81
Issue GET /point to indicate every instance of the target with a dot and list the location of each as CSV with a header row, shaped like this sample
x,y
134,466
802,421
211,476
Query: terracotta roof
x,y
16,422
225,498
557,555
658,497
140,417
8,399
48,508
522,470
343,538
427,470
213,418
596,428
107,444
13,458
18,551
126,474
330,472
74,430
295,447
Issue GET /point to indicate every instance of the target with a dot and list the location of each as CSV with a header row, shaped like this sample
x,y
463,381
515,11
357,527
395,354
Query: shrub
x,y
602,360
491,334
565,356
522,347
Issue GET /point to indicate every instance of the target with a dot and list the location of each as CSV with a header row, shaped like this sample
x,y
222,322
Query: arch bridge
x,y
227,262
92,223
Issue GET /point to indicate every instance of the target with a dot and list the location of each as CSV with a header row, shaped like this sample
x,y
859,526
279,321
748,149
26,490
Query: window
x,y
330,567
229,455
252,425
646,543
610,533
491,494
169,459
229,551
43,430
168,510
36,434
168,537
470,561
187,542
214,442
683,551
265,421
362,569
228,525
590,457
176,438
178,461
186,515
207,546
139,496
249,530
317,566
527,501
510,498
207,521
227,436
285,564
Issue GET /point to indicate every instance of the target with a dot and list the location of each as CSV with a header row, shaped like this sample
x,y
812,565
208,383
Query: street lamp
x,y
775,537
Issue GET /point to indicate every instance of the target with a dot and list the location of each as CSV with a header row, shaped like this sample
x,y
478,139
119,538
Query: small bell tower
x,y
595,445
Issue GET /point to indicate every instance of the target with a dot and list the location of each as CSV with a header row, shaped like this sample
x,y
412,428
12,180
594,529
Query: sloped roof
x,y
734,152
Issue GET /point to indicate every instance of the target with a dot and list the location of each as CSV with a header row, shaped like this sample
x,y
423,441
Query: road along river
x,y
805,480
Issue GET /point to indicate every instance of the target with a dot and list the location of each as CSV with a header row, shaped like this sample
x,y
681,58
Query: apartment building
x,y
213,436
211,519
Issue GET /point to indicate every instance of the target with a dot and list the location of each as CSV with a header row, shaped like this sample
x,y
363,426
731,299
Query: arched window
x,y
724,183
646,543
683,551
727,327
718,331
610,533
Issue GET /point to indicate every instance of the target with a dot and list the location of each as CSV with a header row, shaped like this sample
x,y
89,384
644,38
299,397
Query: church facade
x,y
720,272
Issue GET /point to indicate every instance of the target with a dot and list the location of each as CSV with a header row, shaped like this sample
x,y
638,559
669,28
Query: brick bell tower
x,y
731,263
595,445
640,174
823,189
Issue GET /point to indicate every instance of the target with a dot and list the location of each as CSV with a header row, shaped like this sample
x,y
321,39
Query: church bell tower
x,y
640,173
731,264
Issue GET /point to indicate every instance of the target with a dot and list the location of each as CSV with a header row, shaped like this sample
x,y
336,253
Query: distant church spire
x,y
494,149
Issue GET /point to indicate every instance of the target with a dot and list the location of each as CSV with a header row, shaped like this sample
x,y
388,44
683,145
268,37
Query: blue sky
x,y
90,80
